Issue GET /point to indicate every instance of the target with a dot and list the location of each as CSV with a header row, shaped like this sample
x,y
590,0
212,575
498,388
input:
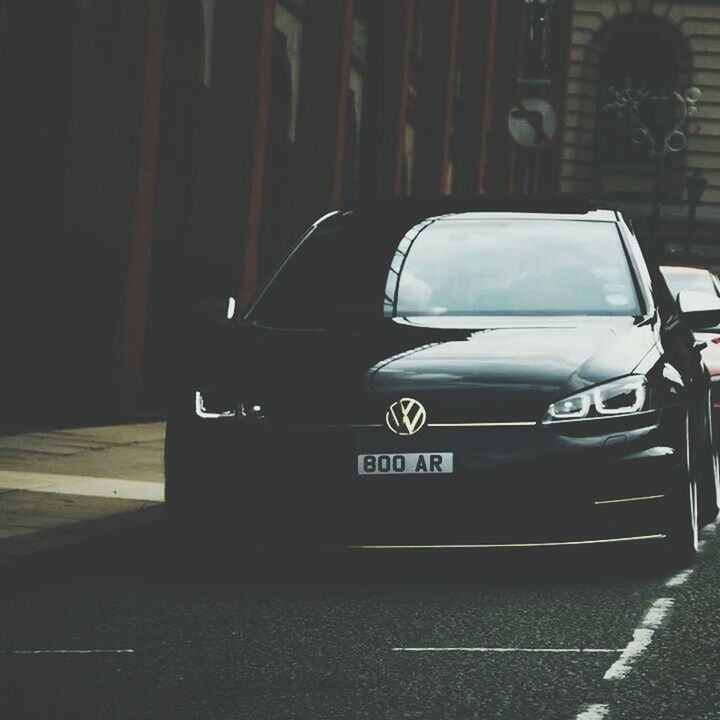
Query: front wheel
x,y
684,523
709,474
683,532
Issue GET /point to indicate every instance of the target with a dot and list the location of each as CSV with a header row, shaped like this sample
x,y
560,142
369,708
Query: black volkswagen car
x,y
452,373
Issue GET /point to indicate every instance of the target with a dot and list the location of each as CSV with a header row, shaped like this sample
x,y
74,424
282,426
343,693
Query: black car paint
x,y
324,392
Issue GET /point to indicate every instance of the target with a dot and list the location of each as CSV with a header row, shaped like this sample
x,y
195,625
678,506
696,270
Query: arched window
x,y
643,51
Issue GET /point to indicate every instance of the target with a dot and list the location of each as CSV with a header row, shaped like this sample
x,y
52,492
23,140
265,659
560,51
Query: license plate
x,y
406,464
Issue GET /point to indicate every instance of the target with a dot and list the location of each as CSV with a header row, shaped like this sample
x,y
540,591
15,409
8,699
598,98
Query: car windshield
x,y
452,266
697,281
511,267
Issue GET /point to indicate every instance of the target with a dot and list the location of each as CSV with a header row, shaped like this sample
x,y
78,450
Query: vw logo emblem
x,y
406,417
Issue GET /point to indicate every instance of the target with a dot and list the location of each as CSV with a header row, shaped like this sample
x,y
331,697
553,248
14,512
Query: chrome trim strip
x,y
630,499
484,424
430,425
523,423
201,412
642,413
658,536
324,217
299,426
271,279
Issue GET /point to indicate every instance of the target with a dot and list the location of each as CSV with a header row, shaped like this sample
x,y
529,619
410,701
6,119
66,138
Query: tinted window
x,y
451,266
325,280
511,267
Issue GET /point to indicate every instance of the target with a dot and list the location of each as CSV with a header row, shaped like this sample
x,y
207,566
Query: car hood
x,y
504,368
516,364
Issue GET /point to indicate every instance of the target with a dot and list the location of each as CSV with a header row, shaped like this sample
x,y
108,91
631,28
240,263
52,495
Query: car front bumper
x,y
511,486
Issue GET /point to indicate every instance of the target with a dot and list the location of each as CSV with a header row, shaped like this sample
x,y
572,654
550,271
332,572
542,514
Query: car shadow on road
x,y
226,560
155,553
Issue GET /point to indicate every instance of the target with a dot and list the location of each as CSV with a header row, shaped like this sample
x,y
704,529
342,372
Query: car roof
x,y
684,270
567,207
593,216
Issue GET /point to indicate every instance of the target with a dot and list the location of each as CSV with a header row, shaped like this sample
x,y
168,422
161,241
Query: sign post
x,y
532,120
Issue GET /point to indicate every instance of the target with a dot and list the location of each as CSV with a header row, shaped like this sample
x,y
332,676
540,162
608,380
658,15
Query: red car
x,y
700,279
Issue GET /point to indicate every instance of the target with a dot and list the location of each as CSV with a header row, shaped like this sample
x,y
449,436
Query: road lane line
x,y
657,613
594,712
506,650
680,579
642,637
121,651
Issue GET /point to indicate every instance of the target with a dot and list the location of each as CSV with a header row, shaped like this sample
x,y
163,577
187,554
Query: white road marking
x,y
121,651
680,579
82,485
642,637
506,650
657,612
594,712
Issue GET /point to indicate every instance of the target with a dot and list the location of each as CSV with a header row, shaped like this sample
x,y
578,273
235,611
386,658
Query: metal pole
x,y
692,209
657,201
535,77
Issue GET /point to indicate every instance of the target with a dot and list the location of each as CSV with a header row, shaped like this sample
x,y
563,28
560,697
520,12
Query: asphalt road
x,y
581,634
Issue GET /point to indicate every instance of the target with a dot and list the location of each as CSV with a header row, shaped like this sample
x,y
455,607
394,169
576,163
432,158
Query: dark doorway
x,y
181,104
278,156
42,299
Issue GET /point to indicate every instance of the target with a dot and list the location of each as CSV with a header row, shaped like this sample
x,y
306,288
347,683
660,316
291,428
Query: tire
x,y
681,543
682,539
709,473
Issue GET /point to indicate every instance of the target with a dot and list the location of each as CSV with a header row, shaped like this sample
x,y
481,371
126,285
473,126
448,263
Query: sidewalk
x,y
64,486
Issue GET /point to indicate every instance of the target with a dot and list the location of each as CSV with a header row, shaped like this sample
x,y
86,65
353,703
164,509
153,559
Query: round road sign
x,y
532,122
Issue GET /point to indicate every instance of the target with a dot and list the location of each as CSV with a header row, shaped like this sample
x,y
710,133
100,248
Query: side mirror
x,y
698,309
215,311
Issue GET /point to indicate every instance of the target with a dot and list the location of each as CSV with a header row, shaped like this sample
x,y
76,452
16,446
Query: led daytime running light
x,y
594,402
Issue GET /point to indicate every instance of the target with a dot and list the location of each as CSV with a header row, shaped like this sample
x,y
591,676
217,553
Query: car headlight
x,y
620,397
209,404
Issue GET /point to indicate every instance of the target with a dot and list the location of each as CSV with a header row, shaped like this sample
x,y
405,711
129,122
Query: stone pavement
x,y
61,487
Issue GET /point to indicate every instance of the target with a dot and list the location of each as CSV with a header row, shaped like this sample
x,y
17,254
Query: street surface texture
x,y
132,626
61,487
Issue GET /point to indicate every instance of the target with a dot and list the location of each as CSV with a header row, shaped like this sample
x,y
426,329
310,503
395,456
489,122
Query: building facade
x,y
169,151
664,45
